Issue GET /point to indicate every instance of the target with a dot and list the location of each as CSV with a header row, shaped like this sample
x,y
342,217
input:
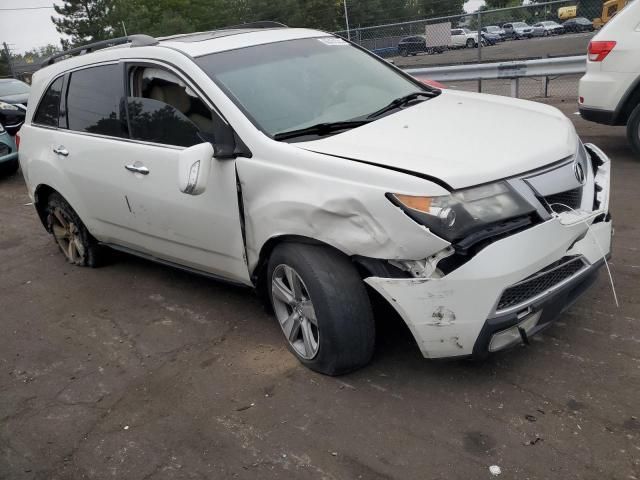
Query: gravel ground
x,y
139,371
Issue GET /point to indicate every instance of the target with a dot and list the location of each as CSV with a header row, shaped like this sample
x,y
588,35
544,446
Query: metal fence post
x,y
515,87
346,19
546,86
479,48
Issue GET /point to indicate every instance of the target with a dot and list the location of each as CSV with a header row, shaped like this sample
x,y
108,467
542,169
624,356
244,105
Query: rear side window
x,y
95,101
49,108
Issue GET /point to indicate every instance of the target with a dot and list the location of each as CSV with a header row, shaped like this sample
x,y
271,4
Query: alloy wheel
x,y
294,310
67,236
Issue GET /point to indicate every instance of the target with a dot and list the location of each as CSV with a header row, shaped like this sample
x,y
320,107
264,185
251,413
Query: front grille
x,y
540,282
565,201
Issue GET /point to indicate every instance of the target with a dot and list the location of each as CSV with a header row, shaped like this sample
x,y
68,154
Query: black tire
x,y
471,43
345,324
404,53
633,129
9,168
88,253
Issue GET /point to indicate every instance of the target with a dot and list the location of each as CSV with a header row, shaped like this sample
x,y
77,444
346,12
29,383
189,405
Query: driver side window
x,y
164,109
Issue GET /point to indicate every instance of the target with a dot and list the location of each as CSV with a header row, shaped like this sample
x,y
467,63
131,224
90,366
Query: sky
x,y
26,29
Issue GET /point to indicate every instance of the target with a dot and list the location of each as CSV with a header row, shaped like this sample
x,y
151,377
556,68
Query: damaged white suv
x,y
295,162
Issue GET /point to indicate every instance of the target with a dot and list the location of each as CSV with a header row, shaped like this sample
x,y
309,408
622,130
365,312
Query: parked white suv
x,y
293,162
610,90
463,37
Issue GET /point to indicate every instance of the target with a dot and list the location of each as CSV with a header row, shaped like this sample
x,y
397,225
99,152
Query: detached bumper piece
x,y
512,329
545,280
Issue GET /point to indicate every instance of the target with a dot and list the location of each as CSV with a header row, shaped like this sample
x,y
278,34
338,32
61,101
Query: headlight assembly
x,y
7,106
464,212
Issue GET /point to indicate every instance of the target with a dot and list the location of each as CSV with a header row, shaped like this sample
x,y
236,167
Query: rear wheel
x,y
70,234
404,52
322,307
633,129
471,43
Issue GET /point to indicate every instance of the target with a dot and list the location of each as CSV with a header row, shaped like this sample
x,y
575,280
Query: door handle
x,y
60,150
141,169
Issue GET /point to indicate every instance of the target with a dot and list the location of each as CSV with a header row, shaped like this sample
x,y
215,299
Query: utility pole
x,y
346,19
7,53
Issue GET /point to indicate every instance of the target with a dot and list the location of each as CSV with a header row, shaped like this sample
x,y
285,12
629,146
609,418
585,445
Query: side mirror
x,y
194,166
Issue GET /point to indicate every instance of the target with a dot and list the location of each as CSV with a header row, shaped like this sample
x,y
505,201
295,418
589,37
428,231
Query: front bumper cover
x,y
456,315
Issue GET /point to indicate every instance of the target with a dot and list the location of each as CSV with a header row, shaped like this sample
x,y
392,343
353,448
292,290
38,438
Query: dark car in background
x,y
13,107
491,38
412,45
13,103
579,24
416,44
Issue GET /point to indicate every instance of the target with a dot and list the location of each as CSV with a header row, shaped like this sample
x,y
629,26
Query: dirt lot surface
x,y
139,371
539,47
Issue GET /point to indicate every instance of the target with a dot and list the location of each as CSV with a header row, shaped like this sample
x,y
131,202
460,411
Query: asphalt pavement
x,y
139,371
538,47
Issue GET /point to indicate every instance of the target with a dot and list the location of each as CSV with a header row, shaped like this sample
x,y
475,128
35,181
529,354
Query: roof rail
x,y
134,40
259,24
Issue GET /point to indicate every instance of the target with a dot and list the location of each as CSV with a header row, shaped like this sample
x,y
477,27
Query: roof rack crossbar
x,y
134,40
259,24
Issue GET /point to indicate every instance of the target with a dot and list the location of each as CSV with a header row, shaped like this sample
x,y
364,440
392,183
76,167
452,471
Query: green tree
x,y
495,4
5,71
439,8
83,20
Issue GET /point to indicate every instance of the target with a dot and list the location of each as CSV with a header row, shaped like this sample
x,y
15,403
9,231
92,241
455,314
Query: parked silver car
x,y
545,29
518,30
493,30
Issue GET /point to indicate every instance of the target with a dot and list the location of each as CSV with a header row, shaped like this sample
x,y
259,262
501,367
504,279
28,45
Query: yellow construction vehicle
x,y
609,9
566,13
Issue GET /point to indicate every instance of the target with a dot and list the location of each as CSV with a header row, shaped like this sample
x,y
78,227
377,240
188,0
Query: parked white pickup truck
x,y
463,37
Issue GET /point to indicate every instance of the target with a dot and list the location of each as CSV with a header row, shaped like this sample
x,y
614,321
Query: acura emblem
x,y
579,173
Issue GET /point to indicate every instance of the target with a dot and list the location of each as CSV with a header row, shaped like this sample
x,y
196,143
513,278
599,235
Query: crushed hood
x,y
462,139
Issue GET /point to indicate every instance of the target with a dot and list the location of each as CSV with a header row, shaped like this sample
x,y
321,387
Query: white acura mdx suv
x,y
294,162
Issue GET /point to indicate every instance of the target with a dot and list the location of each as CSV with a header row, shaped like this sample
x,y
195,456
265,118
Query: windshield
x,y
13,87
295,84
493,29
520,25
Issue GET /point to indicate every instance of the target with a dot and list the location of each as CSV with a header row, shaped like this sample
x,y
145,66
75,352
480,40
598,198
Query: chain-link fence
x,y
541,30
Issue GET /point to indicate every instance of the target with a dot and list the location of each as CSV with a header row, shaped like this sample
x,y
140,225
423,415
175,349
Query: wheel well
x,y
367,267
259,275
41,197
631,101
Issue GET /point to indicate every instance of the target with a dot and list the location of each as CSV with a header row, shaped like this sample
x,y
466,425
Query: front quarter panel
x,y
335,201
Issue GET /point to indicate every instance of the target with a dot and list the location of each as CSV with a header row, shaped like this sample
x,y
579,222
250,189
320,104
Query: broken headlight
x,y
464,212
